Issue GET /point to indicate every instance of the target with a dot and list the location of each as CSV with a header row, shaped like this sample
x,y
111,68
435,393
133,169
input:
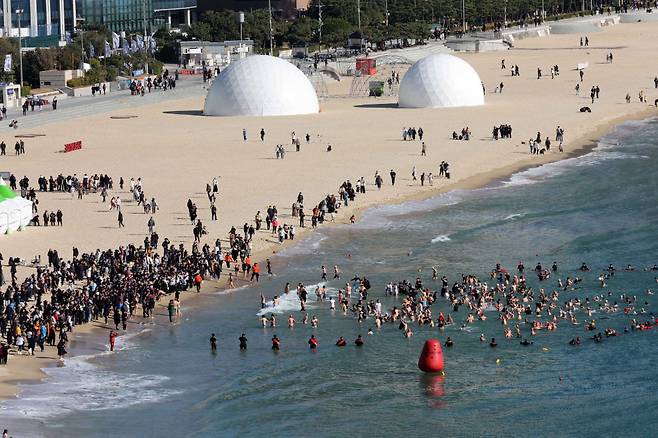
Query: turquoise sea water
x,y
600,208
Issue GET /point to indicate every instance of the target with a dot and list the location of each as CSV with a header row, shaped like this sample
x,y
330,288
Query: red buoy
x,y
431,359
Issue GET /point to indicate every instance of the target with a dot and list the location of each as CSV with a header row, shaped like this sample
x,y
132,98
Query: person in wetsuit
x,y
213,343
243,342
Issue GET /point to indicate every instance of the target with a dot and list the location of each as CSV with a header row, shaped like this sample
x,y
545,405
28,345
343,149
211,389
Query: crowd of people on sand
x,y
110,285
502,131
523,311
164,81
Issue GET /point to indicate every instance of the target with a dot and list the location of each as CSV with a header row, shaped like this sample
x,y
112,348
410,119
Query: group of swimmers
x,y
511,297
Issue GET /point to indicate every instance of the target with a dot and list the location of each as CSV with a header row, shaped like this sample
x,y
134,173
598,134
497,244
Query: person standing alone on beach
x,y
113,336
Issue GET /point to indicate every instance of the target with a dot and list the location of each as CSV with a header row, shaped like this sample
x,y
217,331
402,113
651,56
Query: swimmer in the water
x,y
482,338
359,341
313,342
341,342
448,343
213,343
370,332
243,342
276,343
525,342
493,343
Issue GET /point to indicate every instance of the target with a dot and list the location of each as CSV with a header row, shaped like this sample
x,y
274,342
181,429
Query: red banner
x,y
76,145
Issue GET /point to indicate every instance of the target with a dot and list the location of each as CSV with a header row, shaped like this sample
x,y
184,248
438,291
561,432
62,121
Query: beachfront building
x,y
441,80
135,15
284,8
261,85
37,18
197,53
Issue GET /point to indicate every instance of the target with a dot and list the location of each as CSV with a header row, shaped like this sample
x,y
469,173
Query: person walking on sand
x,y
423,150
262,134
120,220
244,134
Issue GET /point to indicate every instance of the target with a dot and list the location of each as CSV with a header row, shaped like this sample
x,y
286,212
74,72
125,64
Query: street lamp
x,y
463,17
269,7
82,45
20,42
505,14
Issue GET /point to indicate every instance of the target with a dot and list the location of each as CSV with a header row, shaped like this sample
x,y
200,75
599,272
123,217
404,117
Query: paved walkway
x,y
71,108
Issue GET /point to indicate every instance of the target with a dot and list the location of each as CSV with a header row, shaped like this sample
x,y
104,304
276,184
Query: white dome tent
x,y
440,80
261,85
15,212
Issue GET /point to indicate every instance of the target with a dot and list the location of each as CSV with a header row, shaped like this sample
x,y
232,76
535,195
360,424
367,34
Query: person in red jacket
x,y
113,336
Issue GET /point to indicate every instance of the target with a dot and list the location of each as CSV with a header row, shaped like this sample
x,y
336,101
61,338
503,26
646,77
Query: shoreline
x,y
32,371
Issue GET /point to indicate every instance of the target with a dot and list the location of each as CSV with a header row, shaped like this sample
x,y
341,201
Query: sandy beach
x,y
176,151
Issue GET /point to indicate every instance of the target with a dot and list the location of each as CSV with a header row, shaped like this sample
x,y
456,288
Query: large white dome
x,y
261,85
441,80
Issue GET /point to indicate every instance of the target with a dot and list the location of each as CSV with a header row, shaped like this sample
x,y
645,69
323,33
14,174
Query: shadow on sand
x,y
377,105
185,112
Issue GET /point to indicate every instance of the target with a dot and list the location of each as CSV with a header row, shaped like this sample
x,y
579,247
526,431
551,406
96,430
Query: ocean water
x,y
600,208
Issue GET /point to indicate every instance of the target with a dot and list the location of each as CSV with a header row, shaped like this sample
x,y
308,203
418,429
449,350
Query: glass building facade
x,y
131,15
39,18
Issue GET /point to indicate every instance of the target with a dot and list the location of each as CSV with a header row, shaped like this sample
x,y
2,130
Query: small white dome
x,y
441,80
261,85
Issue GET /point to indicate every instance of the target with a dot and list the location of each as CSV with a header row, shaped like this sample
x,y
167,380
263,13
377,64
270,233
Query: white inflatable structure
x,y
441,80
15,212
261,85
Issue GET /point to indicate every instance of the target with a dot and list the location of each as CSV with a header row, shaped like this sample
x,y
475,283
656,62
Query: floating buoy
x,y
431,358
